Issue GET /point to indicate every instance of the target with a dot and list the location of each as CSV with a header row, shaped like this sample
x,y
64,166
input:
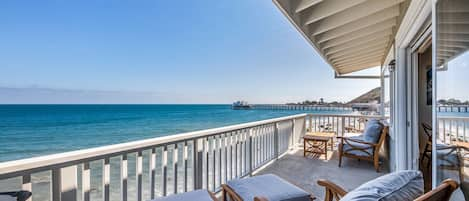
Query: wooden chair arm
x,y
332,186
333,191
229,194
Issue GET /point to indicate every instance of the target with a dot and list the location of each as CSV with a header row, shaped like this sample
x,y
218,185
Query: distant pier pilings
x,y
300,107
453,108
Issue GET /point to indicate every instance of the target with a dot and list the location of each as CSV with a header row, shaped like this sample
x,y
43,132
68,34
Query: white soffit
x,y
452,30
351,35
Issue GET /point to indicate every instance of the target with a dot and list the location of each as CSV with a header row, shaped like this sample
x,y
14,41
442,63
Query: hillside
x,y
370,96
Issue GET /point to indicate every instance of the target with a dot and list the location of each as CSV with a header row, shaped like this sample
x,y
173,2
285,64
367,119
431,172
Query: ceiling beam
x,y
326,9
372,20
452,18
376,53
351,69
357,54
358,49
360,36
463,45
454,6
361,61
453,37
354,13
305,4
359,43
453,28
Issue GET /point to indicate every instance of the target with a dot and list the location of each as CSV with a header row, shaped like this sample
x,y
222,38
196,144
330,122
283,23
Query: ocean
x,y
35,130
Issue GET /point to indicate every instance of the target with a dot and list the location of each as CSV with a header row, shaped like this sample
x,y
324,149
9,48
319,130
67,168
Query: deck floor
x,y
305,171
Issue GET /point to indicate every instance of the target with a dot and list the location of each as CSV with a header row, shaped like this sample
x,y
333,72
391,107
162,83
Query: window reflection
x,y
452,93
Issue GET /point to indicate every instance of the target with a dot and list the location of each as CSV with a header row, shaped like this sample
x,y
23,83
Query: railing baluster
x,y
138,176
26,185
225,140
64,188
197,165
56,184
250,135
231,156
106,179
214,162
220,140
276,141
207,162
85,181
185,153
152,172
124,173
164,170
175,168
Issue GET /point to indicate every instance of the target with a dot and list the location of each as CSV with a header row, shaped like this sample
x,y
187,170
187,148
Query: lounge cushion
x,y
398,186
269,186
373,131
349,150
198,195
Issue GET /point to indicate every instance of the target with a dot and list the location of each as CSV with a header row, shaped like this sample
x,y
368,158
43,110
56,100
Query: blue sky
x,y
159,52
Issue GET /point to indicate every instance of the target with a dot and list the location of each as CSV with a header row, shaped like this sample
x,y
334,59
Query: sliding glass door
x,y
450,74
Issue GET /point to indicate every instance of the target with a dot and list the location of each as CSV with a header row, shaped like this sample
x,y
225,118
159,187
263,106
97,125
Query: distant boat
x,y
241,105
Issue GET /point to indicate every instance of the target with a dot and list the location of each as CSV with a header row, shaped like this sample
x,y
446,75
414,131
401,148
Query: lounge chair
x,y
365,146
263,188
402,186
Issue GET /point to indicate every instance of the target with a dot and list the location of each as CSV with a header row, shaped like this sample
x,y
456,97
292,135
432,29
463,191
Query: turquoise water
x,y
35,130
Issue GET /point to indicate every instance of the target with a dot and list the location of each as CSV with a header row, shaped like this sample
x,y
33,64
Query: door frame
x,y
420,42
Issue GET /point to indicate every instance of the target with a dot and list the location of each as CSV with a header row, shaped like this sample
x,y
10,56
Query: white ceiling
x,y
351,35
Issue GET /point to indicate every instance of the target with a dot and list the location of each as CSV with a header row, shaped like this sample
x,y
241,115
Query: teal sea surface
x,y
36,130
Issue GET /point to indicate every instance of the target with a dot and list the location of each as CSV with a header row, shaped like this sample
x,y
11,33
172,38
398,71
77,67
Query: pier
x,y
453,108
300,107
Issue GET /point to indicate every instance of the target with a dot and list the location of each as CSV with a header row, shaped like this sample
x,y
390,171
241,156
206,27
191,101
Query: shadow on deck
x,y
305,171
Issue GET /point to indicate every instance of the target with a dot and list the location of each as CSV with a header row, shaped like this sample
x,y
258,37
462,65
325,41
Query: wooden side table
x,y
316,142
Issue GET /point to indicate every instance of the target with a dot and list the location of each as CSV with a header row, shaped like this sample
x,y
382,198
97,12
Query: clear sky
x,y
127,51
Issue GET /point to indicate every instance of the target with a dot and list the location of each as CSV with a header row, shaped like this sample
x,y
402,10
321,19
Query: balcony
x,y
146,169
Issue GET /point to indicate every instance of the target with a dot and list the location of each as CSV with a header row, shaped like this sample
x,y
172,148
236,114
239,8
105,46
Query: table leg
x,y
325,148
304,147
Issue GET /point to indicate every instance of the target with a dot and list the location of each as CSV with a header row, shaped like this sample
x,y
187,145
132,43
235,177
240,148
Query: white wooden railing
x,y
453,129
145,169
338,123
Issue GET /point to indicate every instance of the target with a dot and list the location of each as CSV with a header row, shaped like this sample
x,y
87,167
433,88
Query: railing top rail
x,y
453,118
74,157
350,115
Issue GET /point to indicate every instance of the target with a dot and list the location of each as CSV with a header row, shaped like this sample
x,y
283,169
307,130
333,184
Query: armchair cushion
x,y
403,186
348,147
269,186
447,155
373,131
